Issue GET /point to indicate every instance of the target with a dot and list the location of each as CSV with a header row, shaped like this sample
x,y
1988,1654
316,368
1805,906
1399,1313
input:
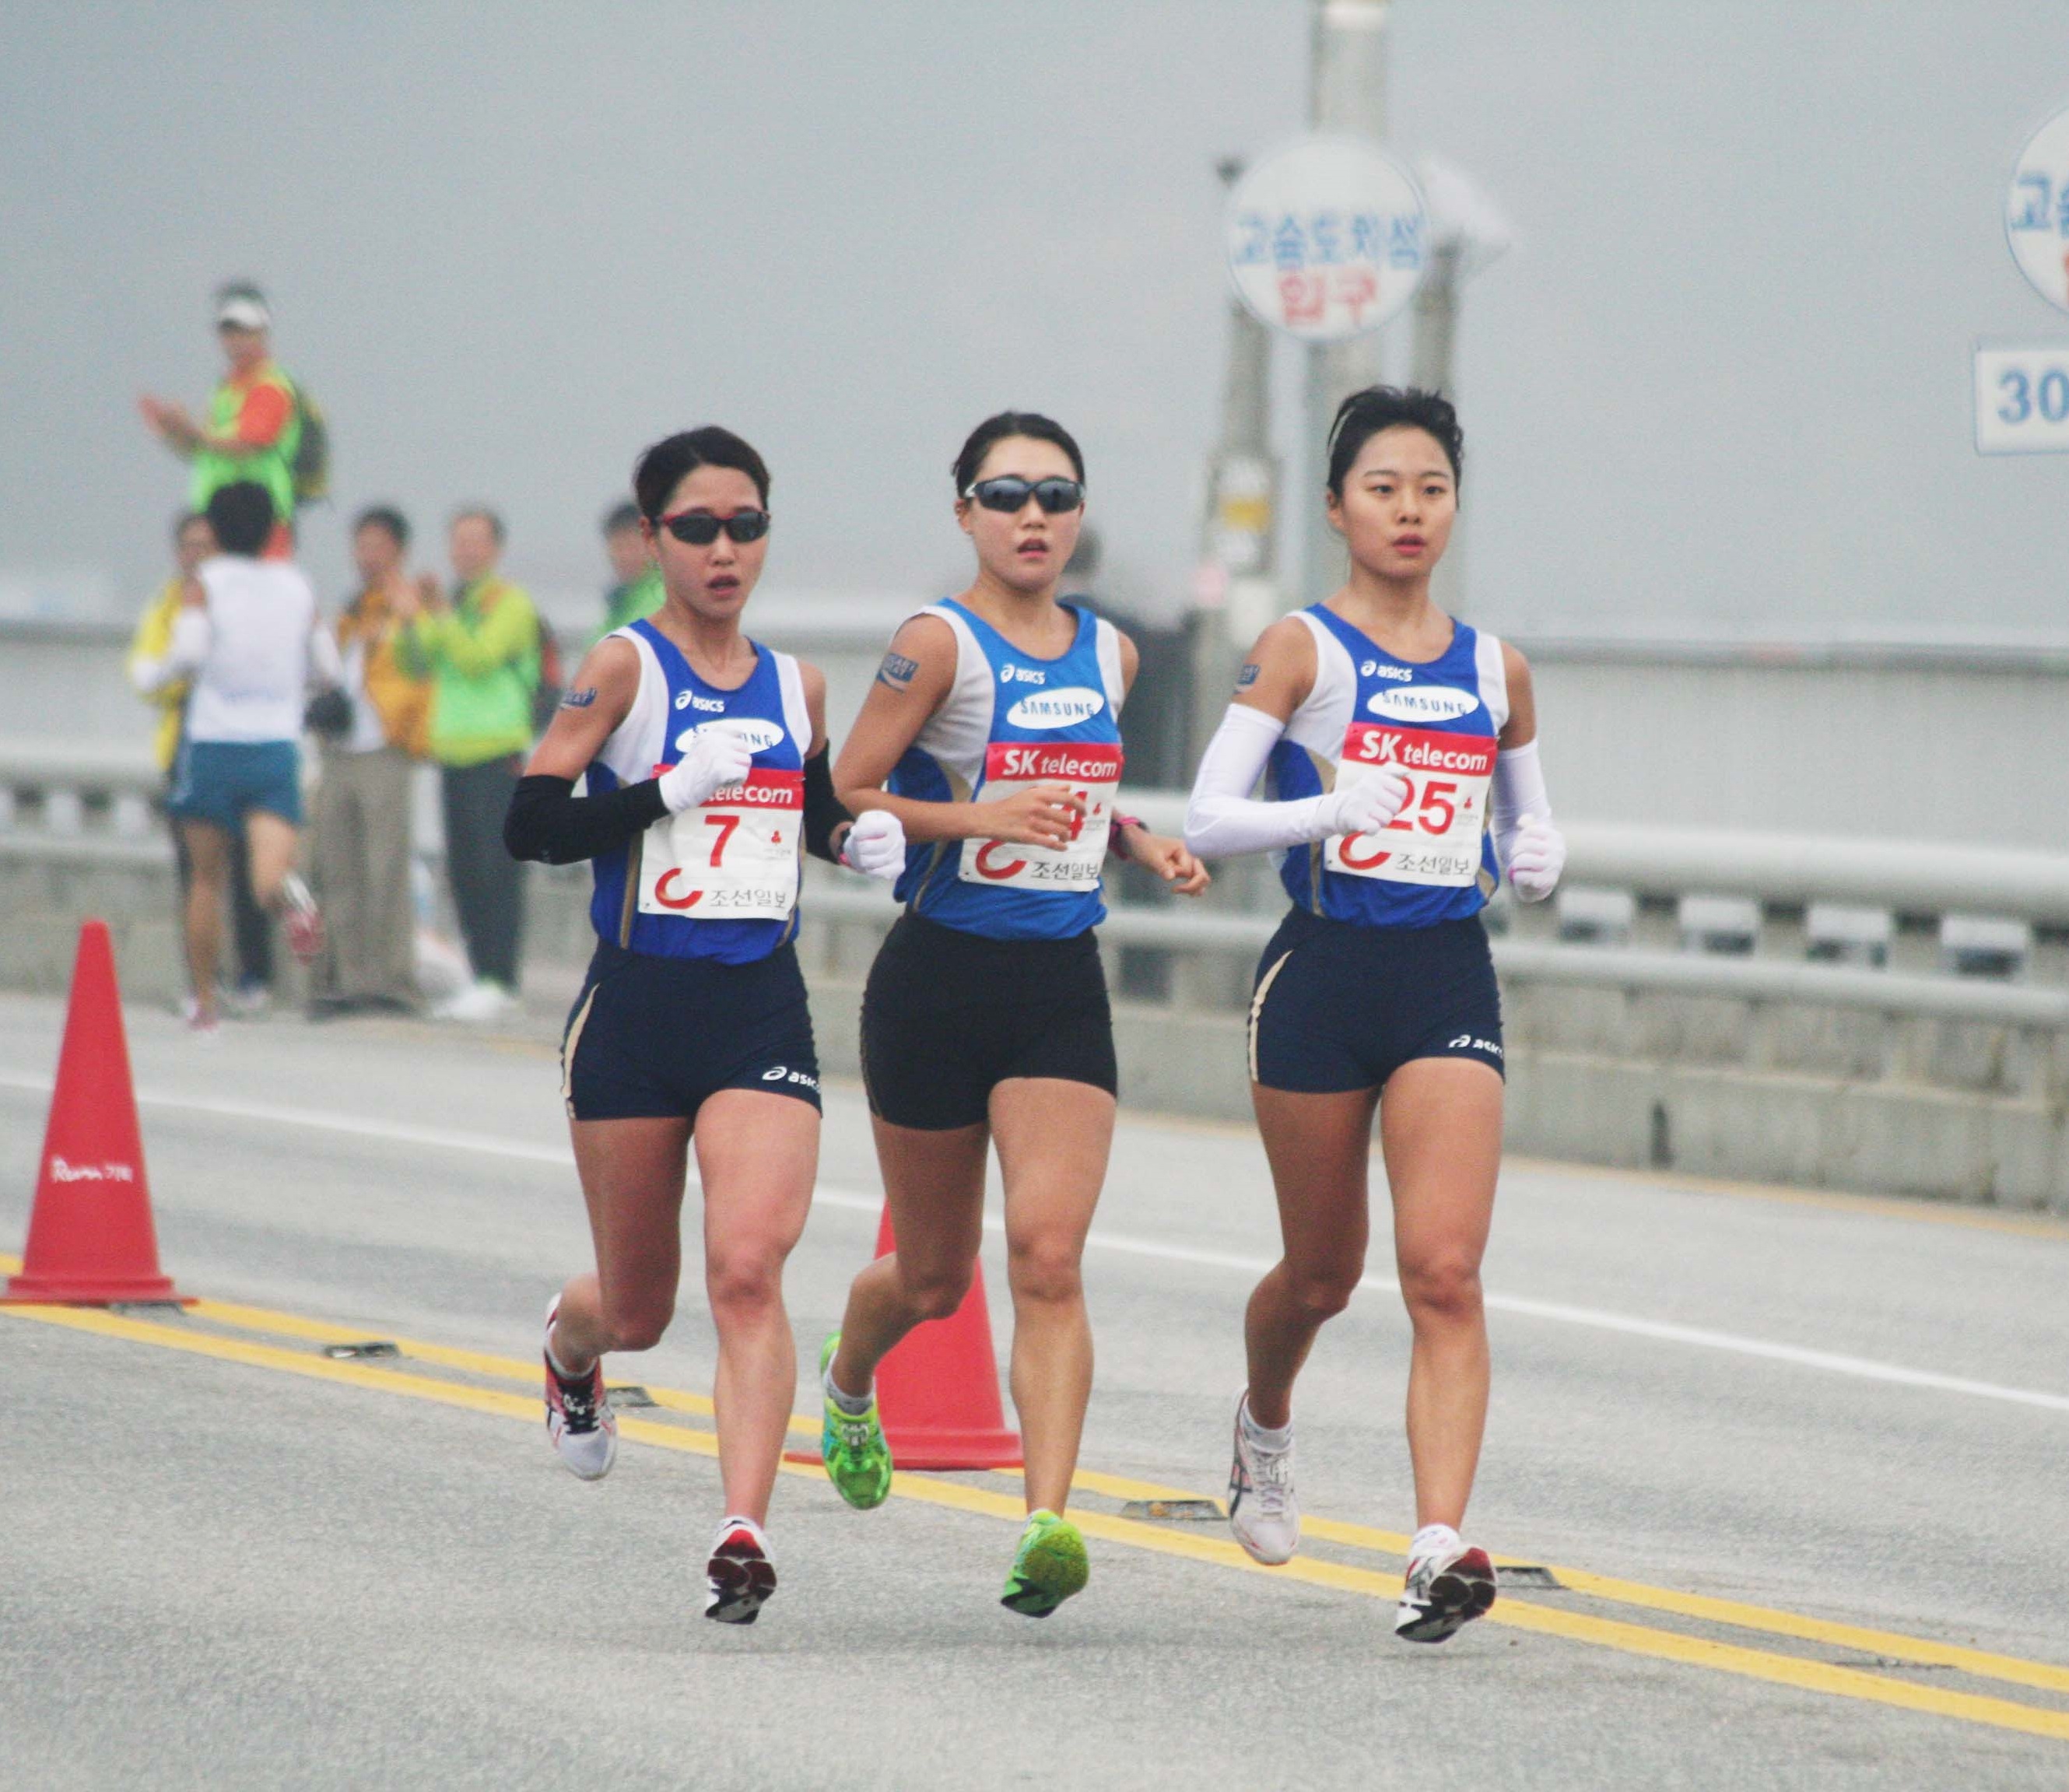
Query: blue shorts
x,y
221,781
1338,1005
653,1038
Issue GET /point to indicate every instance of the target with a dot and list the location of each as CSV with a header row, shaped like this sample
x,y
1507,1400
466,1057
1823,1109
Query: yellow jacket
x,y
402,699
148,648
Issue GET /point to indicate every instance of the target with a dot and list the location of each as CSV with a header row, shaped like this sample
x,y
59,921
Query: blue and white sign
x,y
1326,238
2037,211
2023,399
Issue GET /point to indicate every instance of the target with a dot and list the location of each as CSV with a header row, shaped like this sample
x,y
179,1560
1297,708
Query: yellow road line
x,y
1789,1671
2013,1670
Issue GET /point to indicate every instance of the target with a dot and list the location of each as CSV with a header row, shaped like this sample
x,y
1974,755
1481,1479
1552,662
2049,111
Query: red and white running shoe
x,y
740,1577
1448,1586
579,1420
302,919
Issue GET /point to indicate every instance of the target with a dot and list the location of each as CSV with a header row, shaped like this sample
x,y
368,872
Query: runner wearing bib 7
x,y
705,756
1399,751
993,734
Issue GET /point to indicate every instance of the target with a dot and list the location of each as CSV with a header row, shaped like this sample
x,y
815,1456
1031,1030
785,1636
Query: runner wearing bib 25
x,y
992,733
1399,749
705,754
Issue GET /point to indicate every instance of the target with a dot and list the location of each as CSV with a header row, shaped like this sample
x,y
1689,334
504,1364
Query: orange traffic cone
x,y
90,1239
938,1391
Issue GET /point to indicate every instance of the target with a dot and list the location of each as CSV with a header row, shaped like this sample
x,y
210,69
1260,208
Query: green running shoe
x,y
1049,1566
857,1458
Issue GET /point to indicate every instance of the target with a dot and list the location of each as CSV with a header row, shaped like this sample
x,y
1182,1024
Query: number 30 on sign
x,y
2023,400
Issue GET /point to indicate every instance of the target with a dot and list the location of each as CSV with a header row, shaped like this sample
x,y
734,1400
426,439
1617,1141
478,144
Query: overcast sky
x,y
1720,386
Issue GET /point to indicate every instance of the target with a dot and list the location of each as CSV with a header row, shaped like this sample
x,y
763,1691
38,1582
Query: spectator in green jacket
x,y
636,590
480,649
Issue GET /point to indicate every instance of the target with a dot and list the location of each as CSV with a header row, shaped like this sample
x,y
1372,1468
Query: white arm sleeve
x,y
1223,818
192,632
1518,790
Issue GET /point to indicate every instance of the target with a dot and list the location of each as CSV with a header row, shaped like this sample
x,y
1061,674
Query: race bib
x,y
1092,771
734,858
1436,837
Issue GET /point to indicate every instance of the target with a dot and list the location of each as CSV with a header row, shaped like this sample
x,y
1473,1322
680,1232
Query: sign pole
x,y
1347,96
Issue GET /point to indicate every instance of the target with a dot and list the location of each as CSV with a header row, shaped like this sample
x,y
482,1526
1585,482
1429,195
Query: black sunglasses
x,y
700,528
1054,496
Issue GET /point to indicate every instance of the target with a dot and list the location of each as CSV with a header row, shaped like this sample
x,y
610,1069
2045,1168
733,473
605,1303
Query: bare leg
x,y
1054,1138
758,1155
208,861
632,1176
1319,1147
272,843
933,1185
1440,1128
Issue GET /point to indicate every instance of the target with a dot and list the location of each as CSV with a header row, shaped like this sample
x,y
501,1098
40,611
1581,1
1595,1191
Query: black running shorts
x,y
948,1016
1340,1005
652,1037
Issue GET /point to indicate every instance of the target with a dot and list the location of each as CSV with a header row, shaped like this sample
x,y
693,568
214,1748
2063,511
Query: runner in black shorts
x,y
992,733
1400,751
705,754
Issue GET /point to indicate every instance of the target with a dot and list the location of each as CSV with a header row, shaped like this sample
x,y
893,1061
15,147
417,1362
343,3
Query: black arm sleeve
x,y
547,821
823,812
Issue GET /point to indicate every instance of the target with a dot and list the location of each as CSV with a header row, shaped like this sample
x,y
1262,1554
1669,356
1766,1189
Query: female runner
x,y
993,734
706,758
1382,726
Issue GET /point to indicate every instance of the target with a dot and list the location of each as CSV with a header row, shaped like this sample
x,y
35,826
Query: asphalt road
x,y
1796,1459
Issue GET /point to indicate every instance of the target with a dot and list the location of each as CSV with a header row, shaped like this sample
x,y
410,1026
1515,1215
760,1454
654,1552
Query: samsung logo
x,y
756,735
1422,702
1056,708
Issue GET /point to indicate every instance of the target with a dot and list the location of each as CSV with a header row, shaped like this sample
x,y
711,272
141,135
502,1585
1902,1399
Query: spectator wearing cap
x,y
254,429
167,690
481,651
636,590
378,726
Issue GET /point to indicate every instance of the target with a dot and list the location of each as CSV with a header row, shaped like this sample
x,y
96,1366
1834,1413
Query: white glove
x,y
1536,859
1360,805
717,758
876,845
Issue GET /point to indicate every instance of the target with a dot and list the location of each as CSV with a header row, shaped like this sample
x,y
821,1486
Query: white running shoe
x,y
480,1003
1263,1512
740,1577
1448,1586
301,918
579,1421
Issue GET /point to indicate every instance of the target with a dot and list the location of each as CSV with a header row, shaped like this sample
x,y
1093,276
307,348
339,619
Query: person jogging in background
x,y
705,756
992,733
480,651
249,639
255,425
1400,751
361,858
636,590
251,928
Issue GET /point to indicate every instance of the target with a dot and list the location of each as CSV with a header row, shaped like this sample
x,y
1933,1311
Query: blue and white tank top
x,y
1436,723
720,880
1011,720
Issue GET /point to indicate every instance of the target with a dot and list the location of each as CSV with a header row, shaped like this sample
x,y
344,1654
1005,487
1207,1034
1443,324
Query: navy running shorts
x,y
947,1016
221,780
1338,1005
652,1038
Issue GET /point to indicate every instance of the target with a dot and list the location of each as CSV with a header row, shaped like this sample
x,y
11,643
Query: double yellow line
x,y
1801,1671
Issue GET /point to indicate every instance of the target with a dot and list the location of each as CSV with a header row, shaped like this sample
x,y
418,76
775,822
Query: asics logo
x,y
689,699
1372,668
782,1073
1011,674
1465,1042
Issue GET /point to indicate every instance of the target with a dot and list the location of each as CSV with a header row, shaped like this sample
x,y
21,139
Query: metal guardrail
x,y
1602,967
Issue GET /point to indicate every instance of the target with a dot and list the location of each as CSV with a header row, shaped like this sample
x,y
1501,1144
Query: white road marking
x,y
862,1201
